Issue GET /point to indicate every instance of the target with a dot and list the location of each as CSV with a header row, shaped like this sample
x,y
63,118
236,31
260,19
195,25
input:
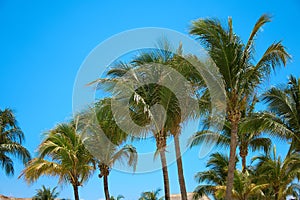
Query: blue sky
x,y
43,44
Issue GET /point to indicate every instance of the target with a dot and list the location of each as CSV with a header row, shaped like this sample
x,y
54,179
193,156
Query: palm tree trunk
x,y
232,161
165,173
76,194
105,184
243,155
180,168
243,163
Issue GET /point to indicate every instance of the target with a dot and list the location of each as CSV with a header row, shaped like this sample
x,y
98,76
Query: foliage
x,y
119,197
11,139
279,173
45,194
151,195
69,160
240,71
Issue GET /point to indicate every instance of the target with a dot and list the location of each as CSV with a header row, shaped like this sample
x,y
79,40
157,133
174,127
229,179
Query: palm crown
x,y
11,138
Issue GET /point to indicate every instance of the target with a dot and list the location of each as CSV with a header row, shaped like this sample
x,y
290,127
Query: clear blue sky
x,y
43,44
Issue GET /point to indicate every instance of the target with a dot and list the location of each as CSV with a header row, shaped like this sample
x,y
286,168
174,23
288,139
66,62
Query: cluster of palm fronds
x,y
145,91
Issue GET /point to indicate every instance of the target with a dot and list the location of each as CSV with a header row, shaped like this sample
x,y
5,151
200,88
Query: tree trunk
x,y
232,159
75,189
105,184
180,168
243,155
165,173
243,163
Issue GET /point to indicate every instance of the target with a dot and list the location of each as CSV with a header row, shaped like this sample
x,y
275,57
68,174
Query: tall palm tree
x,y
279,173
105,140
11,138
69,158
240,72
45,194
152,94
153,195
247,139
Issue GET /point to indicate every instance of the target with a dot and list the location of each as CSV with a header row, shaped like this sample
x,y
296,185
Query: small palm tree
x,y
11,138
214,181
105,140
69,159
153,195
240,72
278,173
215,176
45,194
244,187
119,197
110,157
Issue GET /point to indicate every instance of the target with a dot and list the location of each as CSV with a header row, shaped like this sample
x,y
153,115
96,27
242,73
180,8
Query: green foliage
x,y
213,181
11,138
45,194
248,139
119,197
151,195
280,173
62,154
240,71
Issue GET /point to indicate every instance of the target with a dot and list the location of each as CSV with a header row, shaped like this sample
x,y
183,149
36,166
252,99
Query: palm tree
x,y
152,94
284,113
105,139
119,197
69,159
215,176
246,139
278,173
110,157
241,75
244,187
11,138
153,195
215,181
45,194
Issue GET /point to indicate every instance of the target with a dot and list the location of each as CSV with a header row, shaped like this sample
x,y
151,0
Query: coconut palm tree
x,y
246,139
119,197
45,194
149,65
105,140
283,115
215,176
153,195
215,181
110,157
244,187
279,173
69,160
241,74
11,139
